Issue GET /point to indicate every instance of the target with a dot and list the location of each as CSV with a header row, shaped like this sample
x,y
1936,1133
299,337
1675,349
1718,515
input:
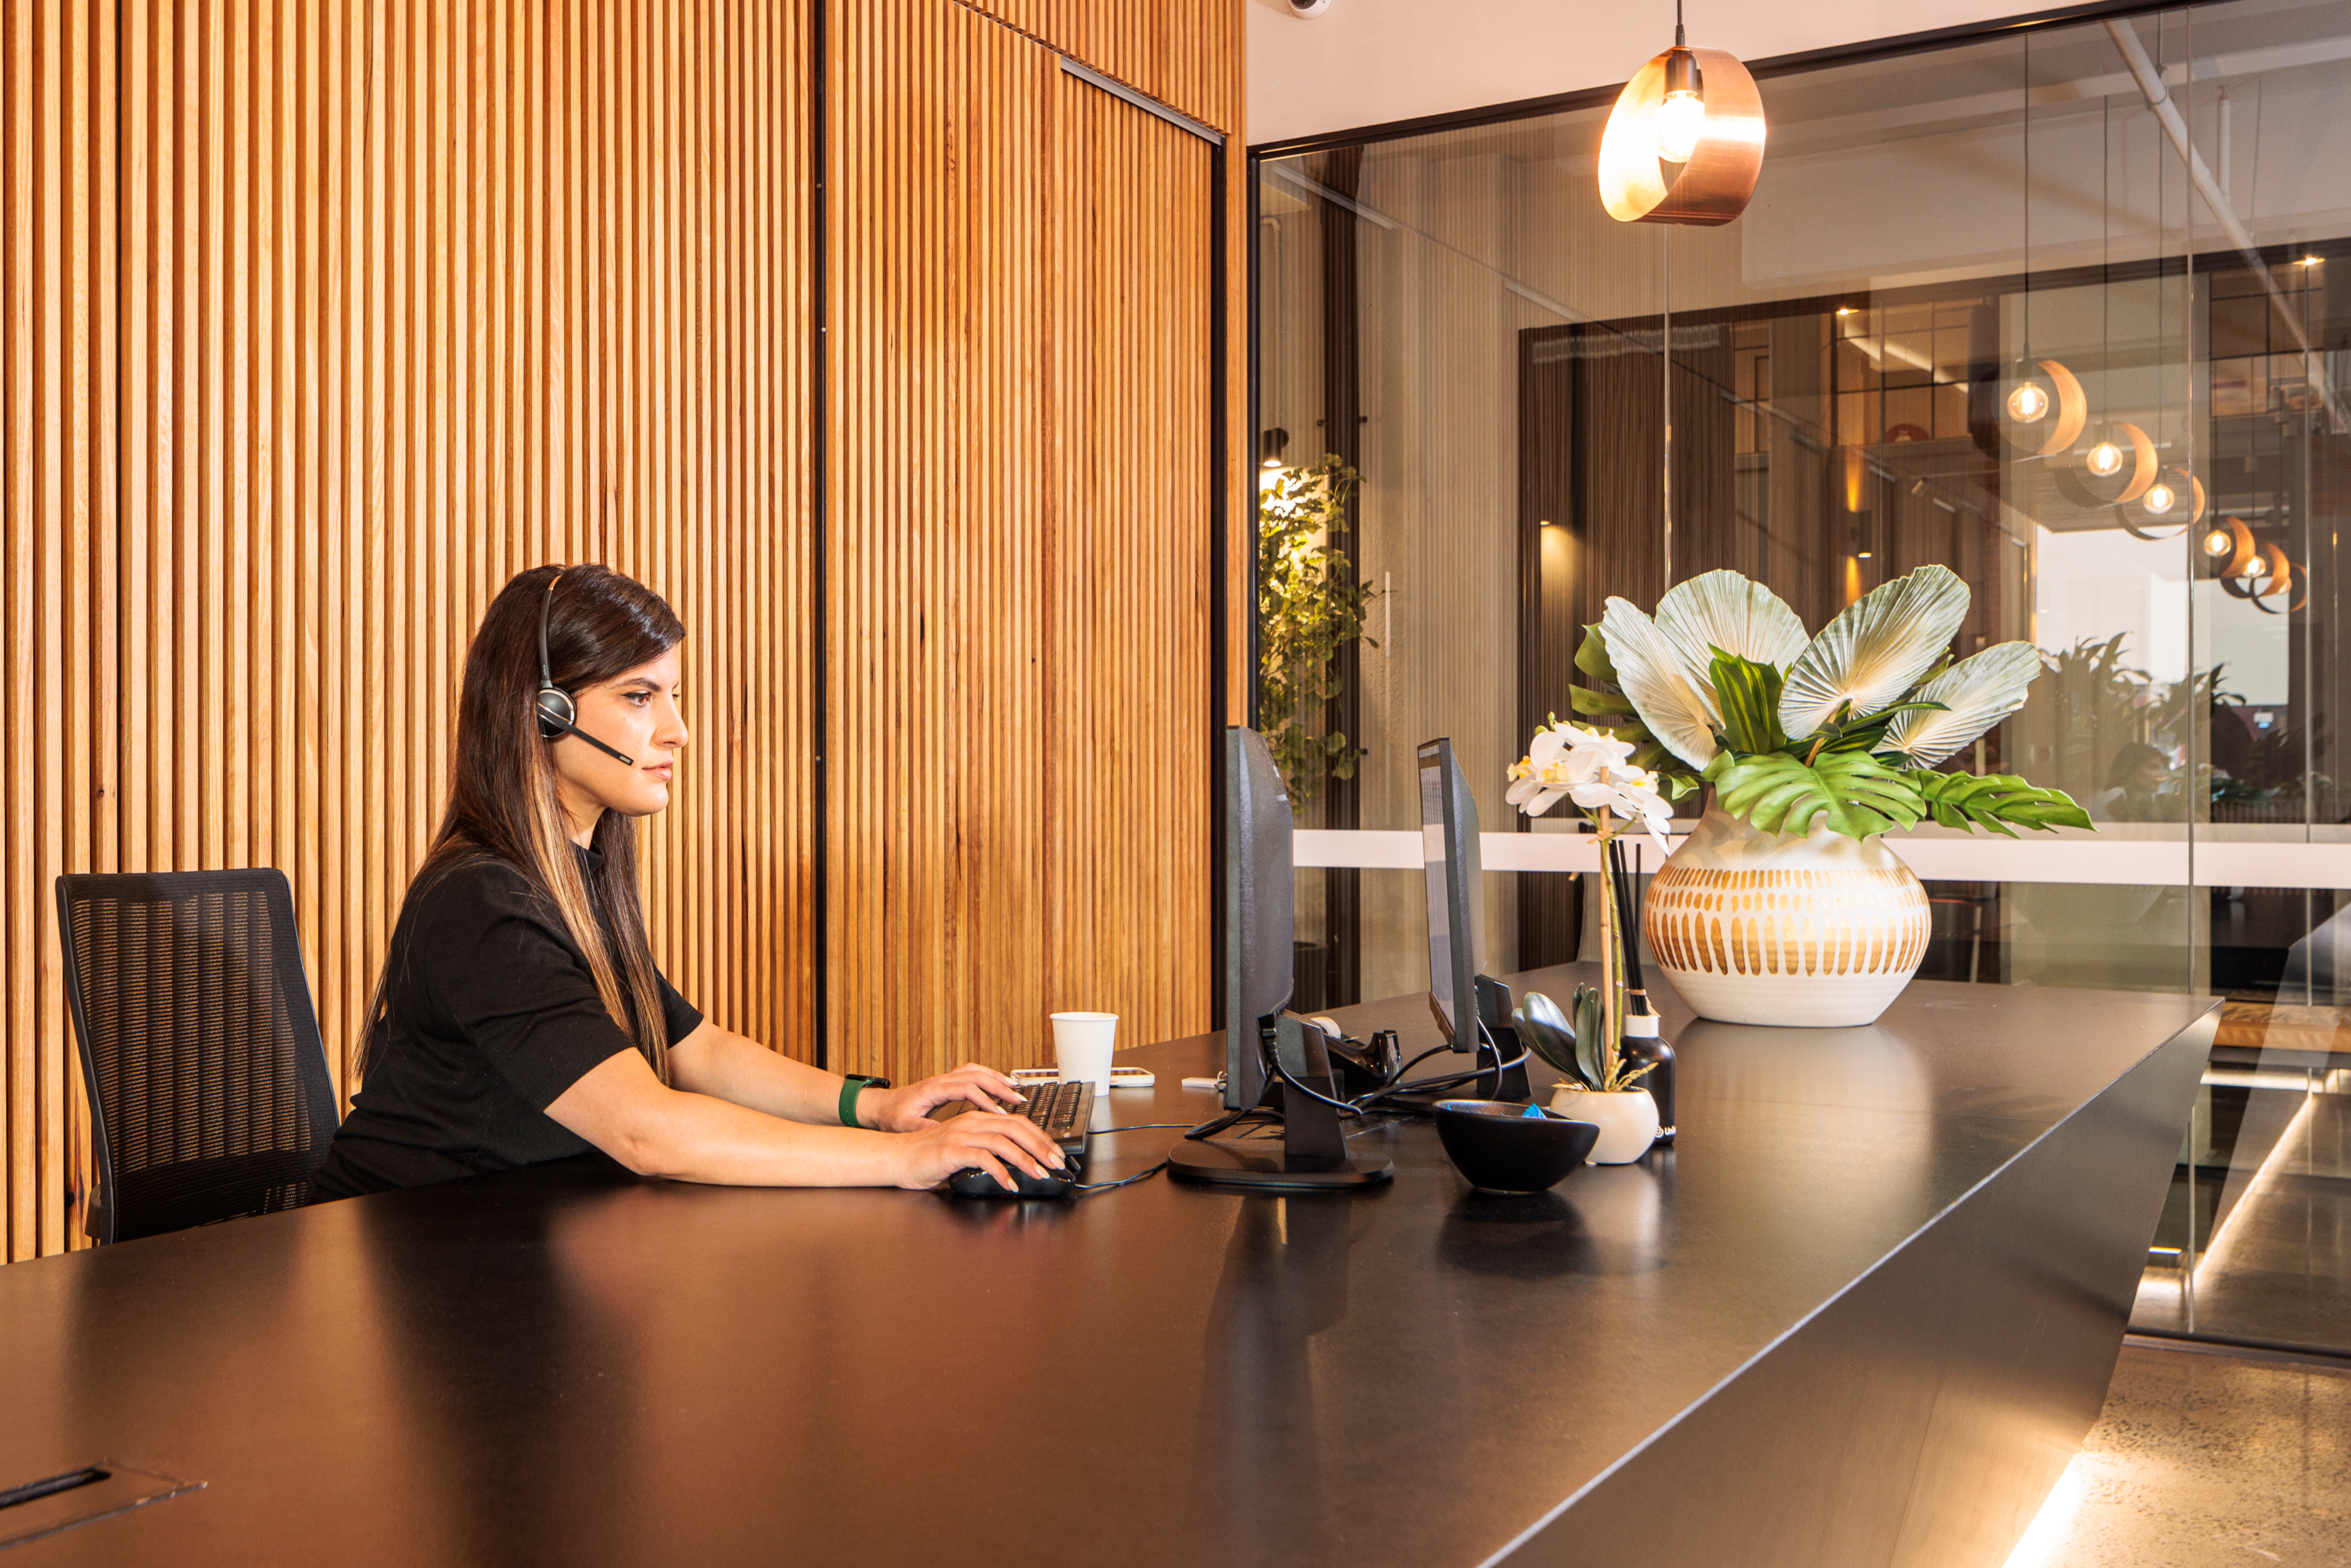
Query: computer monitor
x,y
1260,923
1456,920
1262,1041
1459,993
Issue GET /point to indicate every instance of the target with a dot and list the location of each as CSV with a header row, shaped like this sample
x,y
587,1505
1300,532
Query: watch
x,y
851,1084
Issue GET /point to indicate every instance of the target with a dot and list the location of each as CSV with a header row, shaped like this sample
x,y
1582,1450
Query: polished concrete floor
x,y
2206,1461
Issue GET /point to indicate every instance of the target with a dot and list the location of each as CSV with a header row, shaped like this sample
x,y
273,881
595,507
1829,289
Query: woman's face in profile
x,y
635,713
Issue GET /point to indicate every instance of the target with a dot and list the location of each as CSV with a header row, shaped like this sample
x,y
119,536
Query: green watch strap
x,y
851,1085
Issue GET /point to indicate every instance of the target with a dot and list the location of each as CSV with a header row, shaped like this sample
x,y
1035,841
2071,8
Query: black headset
x,y
556,711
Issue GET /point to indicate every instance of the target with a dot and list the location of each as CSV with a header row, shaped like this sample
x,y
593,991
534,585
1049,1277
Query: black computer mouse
x,y
973,1182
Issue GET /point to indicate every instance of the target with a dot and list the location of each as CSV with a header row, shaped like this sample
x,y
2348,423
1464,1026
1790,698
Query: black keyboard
x,y
1063,1110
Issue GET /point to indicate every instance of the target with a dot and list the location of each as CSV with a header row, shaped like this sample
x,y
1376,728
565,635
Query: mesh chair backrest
x,y
208,1087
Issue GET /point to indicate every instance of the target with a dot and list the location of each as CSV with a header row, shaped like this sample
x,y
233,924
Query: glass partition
x,y
1538,408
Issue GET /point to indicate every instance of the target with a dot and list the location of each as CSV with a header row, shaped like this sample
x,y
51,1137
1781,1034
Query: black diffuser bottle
x,y
1645,1043
1645,1046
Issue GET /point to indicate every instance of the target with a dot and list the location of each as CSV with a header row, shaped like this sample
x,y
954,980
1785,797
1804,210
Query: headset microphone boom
x,y
556,712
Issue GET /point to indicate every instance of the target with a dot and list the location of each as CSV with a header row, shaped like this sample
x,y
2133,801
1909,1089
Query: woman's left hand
x,y
907,1110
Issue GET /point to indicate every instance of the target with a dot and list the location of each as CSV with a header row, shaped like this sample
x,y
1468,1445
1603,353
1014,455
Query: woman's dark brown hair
x,y
502,787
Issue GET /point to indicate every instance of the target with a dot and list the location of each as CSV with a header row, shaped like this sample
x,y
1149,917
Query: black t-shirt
x,y
492,1014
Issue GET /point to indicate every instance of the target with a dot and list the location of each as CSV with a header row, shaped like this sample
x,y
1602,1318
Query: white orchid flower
x,y
1585,753
1560,759
1632,793
1591,768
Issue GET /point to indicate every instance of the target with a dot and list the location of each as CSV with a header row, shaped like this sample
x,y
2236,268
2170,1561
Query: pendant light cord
x,y
2028,195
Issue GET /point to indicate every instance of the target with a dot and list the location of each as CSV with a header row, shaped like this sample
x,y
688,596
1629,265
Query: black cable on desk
x,y
1342,1104
1397,1086
1089,1187
1214,1125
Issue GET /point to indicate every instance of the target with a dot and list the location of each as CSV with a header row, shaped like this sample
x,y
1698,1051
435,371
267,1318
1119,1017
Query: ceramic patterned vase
x,y
1752,927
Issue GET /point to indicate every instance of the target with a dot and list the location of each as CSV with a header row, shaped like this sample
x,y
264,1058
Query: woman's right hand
x,y
996,1144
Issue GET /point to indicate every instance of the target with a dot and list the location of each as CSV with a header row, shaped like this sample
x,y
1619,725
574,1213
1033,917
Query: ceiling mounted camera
x,y
1308,8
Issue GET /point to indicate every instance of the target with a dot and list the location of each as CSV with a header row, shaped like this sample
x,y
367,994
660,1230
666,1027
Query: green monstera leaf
x,y
1853,793
1994,800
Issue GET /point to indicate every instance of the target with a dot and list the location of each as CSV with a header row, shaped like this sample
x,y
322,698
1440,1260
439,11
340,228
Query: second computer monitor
x,y
1448,833
1259,927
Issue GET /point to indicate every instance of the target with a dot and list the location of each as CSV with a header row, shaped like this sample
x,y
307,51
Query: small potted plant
x,y
1785,905
1599,1086
1596,772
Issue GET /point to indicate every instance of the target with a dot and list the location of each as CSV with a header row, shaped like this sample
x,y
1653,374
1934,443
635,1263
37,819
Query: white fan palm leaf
x,y
1977,693
1724,610
1875,651
1675,710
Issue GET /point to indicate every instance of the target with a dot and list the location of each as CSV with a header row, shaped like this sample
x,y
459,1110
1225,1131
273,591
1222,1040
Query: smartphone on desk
x,y
1120,1077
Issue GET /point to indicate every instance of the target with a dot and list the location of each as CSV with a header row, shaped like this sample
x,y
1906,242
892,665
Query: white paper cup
x,y
1082,1043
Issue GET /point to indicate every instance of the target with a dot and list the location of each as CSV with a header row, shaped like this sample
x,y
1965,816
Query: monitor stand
x,y
1312,1154
1494,1004
1494,1009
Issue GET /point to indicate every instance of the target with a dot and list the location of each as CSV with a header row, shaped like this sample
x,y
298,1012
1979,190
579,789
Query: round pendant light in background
x,y
2043,410
2119,467
2253,570
2170,507
1685,143
2228,545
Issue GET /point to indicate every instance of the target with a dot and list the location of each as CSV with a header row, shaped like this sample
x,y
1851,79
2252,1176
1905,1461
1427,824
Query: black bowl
x,y
1500,1148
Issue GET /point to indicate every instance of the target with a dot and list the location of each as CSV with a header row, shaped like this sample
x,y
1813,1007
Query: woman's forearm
x,y
658,1129
728,1066
696,1137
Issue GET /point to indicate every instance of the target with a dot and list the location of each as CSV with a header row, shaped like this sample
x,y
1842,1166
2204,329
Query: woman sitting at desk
x,y
519,1016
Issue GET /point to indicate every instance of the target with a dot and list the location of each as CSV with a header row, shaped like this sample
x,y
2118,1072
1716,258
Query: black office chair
x,y
208,1090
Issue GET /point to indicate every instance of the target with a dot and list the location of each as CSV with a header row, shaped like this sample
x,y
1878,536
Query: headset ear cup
x,y
555,711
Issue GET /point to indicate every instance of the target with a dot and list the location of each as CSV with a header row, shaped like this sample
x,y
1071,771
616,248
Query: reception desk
x,y
1862,1313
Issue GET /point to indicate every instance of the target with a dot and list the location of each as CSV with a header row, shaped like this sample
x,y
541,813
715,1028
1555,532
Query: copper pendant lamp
x,y
2229,547
2119,467
2174,503
1685,143
2041,409
2255,571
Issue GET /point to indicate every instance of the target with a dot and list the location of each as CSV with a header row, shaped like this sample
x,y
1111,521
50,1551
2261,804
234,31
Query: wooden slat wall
x,y
1018,544
1184,53
58,603
323,320
1127,708
325,316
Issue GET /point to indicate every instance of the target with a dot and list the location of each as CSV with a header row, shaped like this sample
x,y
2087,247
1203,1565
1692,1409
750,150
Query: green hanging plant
x,y
1309,608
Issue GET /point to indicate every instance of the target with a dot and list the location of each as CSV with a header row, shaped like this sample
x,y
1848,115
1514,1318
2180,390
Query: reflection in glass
x,y
2037,307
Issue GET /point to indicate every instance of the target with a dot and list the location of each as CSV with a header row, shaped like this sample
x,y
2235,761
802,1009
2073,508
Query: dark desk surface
x,y
566,1365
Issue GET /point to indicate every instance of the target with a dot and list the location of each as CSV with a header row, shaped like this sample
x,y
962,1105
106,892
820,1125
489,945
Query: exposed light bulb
x,y
2028,402
2161,497
2217,542
2106,460
1680,122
